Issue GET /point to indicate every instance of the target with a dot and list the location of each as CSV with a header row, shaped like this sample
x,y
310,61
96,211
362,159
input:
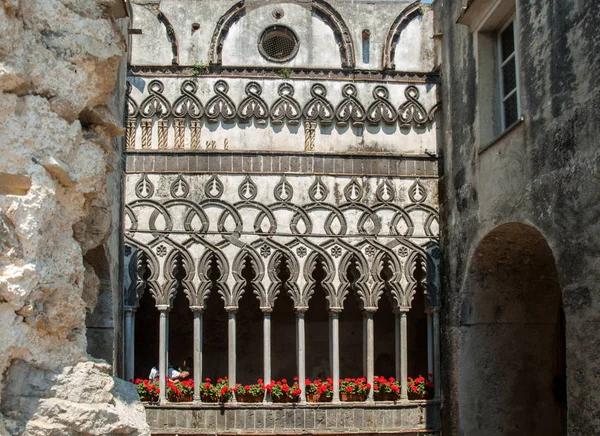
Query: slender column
x,y
364,343
267,350
430,344
198,351
370,348
436,353
231,349
397,342
403,356
335,353
163,346
129,342
301,347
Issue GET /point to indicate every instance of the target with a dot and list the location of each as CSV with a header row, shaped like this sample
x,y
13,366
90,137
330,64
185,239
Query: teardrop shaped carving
x,y
180,188
144,187
417,192
247,190
283,191
318,191
132,107
214,187
385,192
353,191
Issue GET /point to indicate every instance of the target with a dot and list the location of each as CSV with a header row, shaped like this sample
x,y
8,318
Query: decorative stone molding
x,y
393,33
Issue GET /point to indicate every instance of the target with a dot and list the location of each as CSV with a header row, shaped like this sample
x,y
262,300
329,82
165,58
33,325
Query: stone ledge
x,y
414,418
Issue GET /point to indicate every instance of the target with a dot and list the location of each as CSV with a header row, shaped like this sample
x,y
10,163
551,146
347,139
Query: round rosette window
x,y
278,44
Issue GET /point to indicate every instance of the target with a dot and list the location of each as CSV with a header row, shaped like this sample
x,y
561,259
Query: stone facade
x,y
520,262
281,206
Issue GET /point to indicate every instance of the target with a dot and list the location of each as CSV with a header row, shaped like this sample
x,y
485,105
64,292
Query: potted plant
x,y
215,393
318,391
173,390
187,390
250,393
419,388
354,389
385,389
281,392
147,390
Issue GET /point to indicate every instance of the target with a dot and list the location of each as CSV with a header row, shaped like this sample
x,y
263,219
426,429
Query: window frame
x,y
503,126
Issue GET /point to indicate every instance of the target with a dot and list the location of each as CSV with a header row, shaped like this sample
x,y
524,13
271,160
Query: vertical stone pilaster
x,y
146,133
309,135
429,342
195,134
130,133
179,134
162,134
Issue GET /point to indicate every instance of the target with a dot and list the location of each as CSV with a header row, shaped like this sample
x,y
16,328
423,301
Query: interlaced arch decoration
x,y
320,8
372,223
393,34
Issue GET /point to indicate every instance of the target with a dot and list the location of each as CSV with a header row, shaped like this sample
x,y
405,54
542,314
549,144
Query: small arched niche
x,y
512,347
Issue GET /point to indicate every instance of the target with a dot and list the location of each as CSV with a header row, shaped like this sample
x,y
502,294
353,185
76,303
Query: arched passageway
x,y
512,348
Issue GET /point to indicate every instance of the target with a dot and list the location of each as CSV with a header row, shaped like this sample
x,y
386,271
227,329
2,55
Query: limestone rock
x,y
86,400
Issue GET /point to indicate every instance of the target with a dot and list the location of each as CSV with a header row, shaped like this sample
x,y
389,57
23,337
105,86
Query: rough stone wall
x,y
544,173
59,197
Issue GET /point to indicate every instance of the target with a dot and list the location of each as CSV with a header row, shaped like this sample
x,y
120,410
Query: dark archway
x,y
512,348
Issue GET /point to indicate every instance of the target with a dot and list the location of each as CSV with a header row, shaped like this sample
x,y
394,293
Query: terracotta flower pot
x,y
318,398
347,396
248,398
417,396
385,396
186,398
285,399
149,398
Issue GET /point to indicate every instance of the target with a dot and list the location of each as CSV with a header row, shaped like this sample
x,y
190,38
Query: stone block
x,y
237,163
288,421
309,419
260,419
269,419
320,419
299,418
348,419
250,422
359,418
160,163
221,419
369,420
198,419
230,421
211,420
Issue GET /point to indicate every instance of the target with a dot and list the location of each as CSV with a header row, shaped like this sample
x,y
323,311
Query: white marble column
x,y
129,342
429,344
267,351
403,356
335,353
198,351
163,347
370,350
301,353
231,348
436,354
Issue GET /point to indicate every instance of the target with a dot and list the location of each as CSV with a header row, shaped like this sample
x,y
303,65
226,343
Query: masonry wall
x,y
543,173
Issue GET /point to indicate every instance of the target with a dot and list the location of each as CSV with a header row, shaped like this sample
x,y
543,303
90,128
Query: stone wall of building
x,y
522,210
61,78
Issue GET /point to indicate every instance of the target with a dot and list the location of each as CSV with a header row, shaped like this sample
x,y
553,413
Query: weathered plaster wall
x,y
544,173
60,112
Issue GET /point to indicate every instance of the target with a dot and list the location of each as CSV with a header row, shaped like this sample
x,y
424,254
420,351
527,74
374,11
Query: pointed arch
x,y
391,38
